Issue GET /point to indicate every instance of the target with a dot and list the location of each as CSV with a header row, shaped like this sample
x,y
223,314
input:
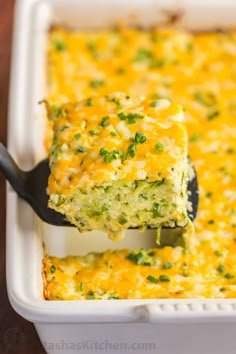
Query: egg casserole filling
x,y
199,72
118,162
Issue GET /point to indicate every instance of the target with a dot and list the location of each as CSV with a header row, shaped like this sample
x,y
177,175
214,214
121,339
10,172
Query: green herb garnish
x,y
96,83
77,136
89,102
130,117
139,138
218,253
142,55
211,222
56,112
103,151
229,276
159,148
80,148
194,138
164,278
207,99
122,220
157,63
152,279
109,156
221,268
154,104
104,121
131,151
155,210
59,45
142,257
209,194
121,115
53,269
213,115
168,265
93,132
113,133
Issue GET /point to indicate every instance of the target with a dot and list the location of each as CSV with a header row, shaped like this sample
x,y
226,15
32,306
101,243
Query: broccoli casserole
x,y
198,71
119,162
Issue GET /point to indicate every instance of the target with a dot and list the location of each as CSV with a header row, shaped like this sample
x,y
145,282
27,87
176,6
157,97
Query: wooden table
x,y
17,336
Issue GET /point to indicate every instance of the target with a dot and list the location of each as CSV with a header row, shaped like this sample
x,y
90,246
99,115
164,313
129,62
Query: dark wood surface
x,y
17,336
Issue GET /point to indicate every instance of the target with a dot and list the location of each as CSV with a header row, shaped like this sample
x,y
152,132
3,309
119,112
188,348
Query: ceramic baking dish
x,y
90,326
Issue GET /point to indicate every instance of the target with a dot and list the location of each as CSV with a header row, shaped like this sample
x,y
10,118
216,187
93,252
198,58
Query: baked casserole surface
x,y
118,162
199,72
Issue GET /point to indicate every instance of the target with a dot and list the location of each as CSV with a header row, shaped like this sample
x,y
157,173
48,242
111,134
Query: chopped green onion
x,y
59,45
213,115
229,276
206,98
131,151
131,117
56,112
221,268
108,158
164,278
218,253
209,194
211,222
81,286
77,136
139,138
104,121
113,133
111,155
53,269
93,132
158,63
155,210
96,83
159,148
122,220
143,54
194,138
80,148
152,279
157,183
121,115
142,257
168,265
103,151
154,104
89,102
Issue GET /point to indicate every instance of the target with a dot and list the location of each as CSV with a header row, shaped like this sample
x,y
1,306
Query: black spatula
x,y
32,187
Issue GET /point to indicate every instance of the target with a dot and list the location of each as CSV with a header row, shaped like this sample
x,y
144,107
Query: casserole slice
x,y
118,162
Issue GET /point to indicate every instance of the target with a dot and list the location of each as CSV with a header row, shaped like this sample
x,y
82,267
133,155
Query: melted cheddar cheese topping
x,y
103,139
199,72
119,162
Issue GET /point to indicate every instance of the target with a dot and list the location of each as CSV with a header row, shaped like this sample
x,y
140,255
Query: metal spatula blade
x,y
32,187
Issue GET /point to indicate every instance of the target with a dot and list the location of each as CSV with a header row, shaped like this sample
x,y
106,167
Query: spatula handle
x,y
14,175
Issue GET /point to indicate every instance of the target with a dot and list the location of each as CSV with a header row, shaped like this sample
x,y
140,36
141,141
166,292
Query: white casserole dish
x,y
140,326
